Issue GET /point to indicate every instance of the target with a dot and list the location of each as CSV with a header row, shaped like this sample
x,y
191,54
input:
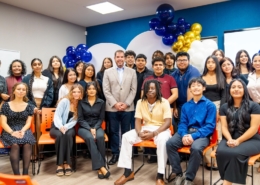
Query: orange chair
x,y
251,163
45,138
32,127
146,144
212,144
79,140
16,180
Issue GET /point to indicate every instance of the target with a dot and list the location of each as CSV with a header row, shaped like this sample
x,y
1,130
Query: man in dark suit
x,y
119,86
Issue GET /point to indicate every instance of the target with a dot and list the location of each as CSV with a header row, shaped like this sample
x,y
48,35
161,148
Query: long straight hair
x,y
238,63
234,72
218,72
61,70
32,77
65,78
243,115
103,67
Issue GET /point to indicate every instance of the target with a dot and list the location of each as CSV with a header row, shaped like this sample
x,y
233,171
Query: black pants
x,y
96,146
63,144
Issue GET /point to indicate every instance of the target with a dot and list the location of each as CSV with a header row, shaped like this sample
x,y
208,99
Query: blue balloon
x,y
86,56
178,33
187,25
71,54
182,28
70,64
165,12
65,59
81,47
78,58
168,39
172,27
153,23
70,48
181,20
160,30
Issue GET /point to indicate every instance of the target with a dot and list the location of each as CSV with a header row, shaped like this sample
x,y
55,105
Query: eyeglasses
x,y
184,60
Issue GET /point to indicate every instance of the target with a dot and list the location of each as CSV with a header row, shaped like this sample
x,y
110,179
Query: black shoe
x,y
113,160
153,159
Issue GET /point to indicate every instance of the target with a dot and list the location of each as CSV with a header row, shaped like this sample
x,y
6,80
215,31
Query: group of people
x,y
138,104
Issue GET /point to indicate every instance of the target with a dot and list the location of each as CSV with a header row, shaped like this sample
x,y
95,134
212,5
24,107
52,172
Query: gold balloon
x,y
64,68
175,49
187,42
196,28
198,37
179,44
181,38
190,34
185,49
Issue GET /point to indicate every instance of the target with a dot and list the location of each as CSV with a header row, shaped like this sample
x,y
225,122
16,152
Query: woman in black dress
x,y
215,92
91,113
240,121
16,119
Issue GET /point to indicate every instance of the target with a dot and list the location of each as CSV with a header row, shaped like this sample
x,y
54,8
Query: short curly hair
x,y
10,72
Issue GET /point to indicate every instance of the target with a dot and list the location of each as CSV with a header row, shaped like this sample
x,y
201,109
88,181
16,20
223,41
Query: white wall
x,y
36,35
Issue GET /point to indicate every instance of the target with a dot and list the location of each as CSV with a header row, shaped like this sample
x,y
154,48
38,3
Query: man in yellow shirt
x,y
156,115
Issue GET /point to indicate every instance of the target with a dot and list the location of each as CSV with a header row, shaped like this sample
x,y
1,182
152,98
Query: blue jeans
x,y
115,119
174,143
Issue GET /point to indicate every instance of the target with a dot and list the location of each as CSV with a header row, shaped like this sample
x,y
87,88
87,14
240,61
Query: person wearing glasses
x,y
182,75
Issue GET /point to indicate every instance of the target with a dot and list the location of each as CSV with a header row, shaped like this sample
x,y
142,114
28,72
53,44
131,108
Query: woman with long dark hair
x,y
230,72
79,68
16,119
91,114
107,63
65,118
215,92
240,121
243,63
40,92
89,75
219,54
17,70
70,78
55,72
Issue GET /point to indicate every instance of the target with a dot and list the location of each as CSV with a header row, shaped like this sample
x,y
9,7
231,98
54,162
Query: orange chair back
x,y
47,119
214,137
15,179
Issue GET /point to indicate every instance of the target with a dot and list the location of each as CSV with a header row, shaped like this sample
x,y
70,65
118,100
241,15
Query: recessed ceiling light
x,y
105,8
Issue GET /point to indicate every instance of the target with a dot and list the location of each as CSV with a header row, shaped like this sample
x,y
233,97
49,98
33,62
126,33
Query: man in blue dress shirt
x,y
197,123
182,75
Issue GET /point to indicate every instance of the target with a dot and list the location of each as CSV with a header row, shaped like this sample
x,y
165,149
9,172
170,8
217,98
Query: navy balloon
x,y
182,28
71,54
181,20
78,57
81,47
187,25
153,23
70,48
85,55
172,27
70,63
160,30
65,59
165,12
178,33
168,40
